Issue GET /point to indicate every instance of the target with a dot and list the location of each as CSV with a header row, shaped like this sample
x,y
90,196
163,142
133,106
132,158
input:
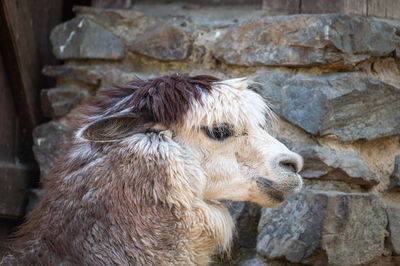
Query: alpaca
x,y
143,176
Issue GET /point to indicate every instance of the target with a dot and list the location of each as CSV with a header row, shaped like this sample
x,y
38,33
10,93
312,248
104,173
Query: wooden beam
x,y
14,180
23,68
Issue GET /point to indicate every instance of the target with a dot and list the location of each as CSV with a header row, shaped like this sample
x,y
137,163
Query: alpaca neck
x,y
210,227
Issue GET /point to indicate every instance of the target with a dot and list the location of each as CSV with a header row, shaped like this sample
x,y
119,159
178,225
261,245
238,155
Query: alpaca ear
x,y
113,128
237,83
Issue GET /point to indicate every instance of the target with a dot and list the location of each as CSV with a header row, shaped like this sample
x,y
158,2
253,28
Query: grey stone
x,y
126,24
331,185
256,261
112,3
115,76
85,74
82,38
351,106
323,228
394,228
34,195
48,142
248,259
245,216
57,102
305,40
395,176
163,42
386,261
253,259
327,164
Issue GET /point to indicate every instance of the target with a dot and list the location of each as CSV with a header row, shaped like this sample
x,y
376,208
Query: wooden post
x,y
20,83
23,68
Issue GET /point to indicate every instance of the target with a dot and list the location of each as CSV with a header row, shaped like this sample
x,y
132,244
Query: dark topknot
x,y
163,100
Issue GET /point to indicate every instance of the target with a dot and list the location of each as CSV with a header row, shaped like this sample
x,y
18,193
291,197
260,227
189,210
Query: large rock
x,y
324,228
48,142
304,40
386,261
114,76
82,38
245,216
88,75
112,3
126,24
394,228
164,42
351,106
327,164
57,102
331,185
395,176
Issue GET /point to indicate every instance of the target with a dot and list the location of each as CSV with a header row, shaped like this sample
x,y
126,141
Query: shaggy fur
x,y
139,184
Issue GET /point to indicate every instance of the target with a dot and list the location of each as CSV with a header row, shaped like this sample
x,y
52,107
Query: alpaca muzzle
x,y
289,183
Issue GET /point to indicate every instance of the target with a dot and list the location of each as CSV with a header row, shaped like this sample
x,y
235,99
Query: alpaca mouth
x,y
266,187
292,184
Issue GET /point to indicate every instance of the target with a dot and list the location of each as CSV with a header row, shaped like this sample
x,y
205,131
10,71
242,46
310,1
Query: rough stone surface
x,y
394,228
85,74
324,227
82,38
33,195
245,216
48,139
114,77
163,42
395,176
386,261
126,24
57,102
304,40
351,106
327,164
112,3
331,185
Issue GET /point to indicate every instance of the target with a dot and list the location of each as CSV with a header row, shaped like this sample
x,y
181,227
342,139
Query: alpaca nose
x,y
291,162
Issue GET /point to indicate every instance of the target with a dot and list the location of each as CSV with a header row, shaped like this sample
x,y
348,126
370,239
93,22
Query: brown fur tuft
x,y
162,100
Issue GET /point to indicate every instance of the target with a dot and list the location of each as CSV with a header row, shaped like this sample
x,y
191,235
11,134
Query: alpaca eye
x,y
219,133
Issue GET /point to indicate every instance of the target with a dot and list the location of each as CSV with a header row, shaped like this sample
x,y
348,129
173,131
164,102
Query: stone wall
x,y
333,80
389,9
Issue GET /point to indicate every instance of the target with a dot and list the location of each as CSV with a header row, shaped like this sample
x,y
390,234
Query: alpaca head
x,y
221,125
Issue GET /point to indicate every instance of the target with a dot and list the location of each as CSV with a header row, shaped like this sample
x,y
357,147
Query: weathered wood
x,y
393,9
46,14
322,6
20,82
6,227
19,51
14,180
8,134
358,7
377,8
281,7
